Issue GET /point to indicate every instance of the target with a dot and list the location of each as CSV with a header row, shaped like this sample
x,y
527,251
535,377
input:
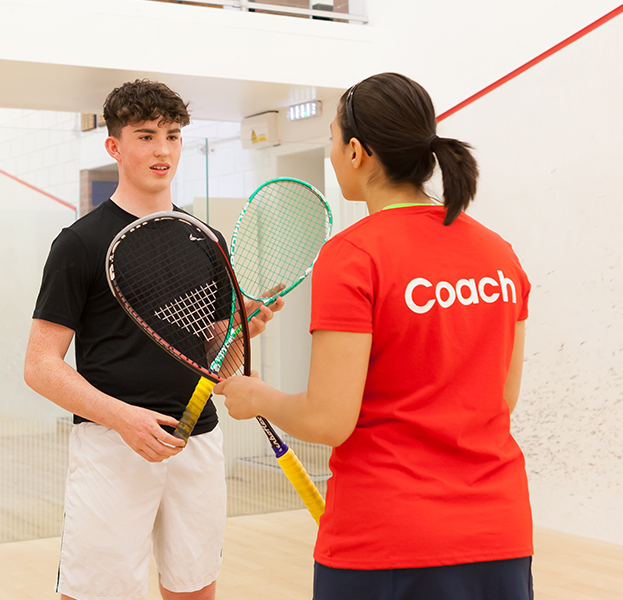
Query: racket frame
x,y
110,276
270,300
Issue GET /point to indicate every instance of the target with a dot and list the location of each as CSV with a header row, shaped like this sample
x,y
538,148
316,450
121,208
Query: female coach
x,y
418,329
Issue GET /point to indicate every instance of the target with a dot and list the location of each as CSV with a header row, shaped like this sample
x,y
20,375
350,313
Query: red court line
x,y
36,189
535,61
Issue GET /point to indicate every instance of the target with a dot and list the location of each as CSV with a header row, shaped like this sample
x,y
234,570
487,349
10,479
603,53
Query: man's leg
x,y
207,593
112,498
190,525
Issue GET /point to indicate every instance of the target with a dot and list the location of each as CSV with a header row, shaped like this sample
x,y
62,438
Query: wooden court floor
x,y
269,556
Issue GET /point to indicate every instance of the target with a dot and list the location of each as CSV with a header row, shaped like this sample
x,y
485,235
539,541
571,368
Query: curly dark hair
x,y
143,100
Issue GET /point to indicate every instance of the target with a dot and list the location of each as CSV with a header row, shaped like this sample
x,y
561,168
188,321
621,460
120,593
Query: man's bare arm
x,y
46,372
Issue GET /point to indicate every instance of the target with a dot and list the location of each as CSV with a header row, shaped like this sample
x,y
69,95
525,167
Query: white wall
x,y
456,48
549,149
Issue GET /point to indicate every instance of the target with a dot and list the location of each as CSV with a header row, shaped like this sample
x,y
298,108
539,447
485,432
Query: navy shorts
x,y
493,580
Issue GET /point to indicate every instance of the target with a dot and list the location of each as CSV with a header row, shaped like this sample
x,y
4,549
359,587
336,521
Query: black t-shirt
x,y
112,353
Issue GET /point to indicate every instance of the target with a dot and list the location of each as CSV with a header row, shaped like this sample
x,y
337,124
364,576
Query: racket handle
x,y
194,408
302,483
265,302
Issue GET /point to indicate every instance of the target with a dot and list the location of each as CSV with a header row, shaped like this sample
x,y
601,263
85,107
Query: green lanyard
x,y
407,204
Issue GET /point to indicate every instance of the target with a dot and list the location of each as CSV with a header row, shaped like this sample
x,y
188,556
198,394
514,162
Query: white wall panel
x,y
549,148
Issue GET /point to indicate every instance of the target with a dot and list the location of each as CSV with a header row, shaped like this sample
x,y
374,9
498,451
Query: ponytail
x,y
459,172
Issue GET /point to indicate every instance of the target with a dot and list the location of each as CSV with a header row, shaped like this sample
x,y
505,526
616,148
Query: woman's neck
x,y
378,198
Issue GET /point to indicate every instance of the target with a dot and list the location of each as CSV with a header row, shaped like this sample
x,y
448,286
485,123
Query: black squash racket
x,y
171,276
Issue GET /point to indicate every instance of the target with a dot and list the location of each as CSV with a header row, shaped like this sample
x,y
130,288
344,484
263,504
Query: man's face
x,y
148,154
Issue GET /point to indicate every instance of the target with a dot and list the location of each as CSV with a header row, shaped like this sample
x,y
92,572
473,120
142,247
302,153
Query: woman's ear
x,y
356,152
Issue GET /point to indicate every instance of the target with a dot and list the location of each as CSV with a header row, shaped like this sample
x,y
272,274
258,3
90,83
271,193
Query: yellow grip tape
x,y
193,409
302,483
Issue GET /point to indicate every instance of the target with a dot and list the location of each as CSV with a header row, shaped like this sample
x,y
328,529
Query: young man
x,y
130,483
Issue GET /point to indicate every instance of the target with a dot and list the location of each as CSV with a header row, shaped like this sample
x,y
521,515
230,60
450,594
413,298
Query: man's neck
x,y
141,205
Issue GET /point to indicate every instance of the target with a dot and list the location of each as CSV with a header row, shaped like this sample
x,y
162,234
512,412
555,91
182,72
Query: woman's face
x,y
340,160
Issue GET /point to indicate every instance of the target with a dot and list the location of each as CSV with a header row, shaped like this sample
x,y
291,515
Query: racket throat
x,y
277,444
280,450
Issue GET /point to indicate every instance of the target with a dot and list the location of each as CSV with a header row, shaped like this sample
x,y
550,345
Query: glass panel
x,y
48,167
39,187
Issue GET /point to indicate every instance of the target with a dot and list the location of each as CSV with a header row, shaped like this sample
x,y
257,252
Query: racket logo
x,y
194,311
192,238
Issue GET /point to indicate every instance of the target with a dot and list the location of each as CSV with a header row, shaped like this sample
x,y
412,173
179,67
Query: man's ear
x,y
112,147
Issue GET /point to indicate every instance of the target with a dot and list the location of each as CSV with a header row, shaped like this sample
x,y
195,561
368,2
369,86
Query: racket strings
x,y
278,238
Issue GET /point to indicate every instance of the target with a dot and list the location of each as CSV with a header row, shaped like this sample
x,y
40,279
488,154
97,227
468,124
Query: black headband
x,y
350,115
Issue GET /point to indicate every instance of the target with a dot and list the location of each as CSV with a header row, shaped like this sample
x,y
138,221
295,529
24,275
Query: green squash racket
x,y
276,241
278,237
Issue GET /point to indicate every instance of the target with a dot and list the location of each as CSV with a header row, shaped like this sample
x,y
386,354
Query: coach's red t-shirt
x,y
431,475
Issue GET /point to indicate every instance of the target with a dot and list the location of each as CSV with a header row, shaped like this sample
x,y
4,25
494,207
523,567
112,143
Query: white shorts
x,y
117,504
